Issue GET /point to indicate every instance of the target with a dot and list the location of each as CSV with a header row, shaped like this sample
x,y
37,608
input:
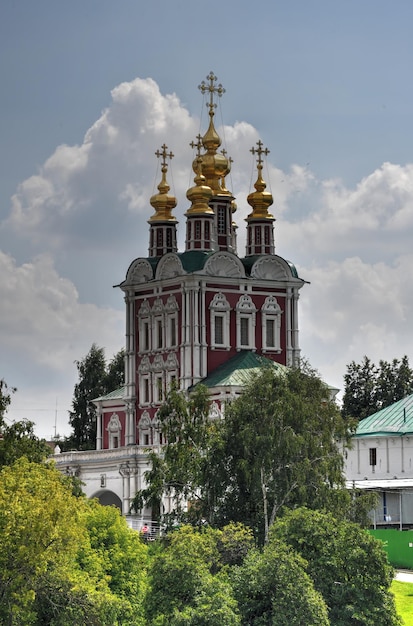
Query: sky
x,y
90,89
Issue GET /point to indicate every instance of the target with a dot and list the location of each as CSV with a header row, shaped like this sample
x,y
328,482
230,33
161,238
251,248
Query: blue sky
x,y
325,85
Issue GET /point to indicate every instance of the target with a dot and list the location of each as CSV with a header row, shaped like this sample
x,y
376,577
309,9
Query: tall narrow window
x,y
271,325
219,330
270,332
246,319
220,322
373,456
172,327
244,331
158,334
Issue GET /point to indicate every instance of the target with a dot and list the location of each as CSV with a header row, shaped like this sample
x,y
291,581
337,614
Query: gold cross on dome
x,y
211,88
260,151
197,145
164,154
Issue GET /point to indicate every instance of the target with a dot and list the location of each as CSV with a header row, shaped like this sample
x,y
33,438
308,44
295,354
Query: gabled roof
x,y
239,370
396,420
118,394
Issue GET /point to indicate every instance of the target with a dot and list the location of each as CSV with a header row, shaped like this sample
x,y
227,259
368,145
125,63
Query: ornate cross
x,y
212,88
164,155
260,151
197,145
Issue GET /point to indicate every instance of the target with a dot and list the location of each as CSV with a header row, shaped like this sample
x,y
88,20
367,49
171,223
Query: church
x,y
205,314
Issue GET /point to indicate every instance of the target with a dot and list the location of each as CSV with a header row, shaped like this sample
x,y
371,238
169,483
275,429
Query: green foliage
x,y
368,388
5,399
95,379
403,593
273,588
234,542
282,447
123,559
64,560
18,439
348,566
185,471
279,445
185,588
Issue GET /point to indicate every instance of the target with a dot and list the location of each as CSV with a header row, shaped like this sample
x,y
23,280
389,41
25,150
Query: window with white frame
x,y
246,320
144,327
271,325
145,389
171,326
158,388
220,320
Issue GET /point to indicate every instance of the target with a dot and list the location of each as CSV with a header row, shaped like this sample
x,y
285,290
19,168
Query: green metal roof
x,y
239,370
396,420
118,394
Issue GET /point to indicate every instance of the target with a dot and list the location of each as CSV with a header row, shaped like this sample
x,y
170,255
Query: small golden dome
x,y
199,195
162,202
260,199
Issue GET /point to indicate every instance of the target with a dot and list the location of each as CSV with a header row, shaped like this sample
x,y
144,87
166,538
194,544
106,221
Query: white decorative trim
x,y
224,264
169,266
246,314
269,268
271,312
171,304
140,271
220,308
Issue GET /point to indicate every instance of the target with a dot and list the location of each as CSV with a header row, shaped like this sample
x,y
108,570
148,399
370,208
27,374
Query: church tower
x,y
190,314
204,314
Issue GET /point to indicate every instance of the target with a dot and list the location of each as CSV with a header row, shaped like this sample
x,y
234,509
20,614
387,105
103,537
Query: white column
x,y
289,356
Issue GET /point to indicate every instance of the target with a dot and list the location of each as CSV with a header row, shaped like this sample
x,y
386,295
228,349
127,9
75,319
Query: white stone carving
x,y
169,266
269,268
144,309
224,264
114,424
271,306
245,304
171,304
158,363
139,272
157,306
220,303
171,361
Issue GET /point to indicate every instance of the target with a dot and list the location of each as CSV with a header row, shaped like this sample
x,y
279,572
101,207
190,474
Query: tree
x,y
368,388
18,439
280,444
95,379
272,587
185,471
5,399
186,586
282,447
348,566
64,560
123,557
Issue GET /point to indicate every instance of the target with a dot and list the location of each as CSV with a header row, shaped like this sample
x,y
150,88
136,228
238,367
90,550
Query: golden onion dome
x,y
162,202
200,195
260,199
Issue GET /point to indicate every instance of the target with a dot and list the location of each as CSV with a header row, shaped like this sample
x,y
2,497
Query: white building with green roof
x,y
381,460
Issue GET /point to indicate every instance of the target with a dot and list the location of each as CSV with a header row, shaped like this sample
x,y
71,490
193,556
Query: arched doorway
x,y
108,498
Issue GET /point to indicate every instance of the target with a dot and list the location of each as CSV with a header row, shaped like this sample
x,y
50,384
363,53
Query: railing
x,y
150,529
90,456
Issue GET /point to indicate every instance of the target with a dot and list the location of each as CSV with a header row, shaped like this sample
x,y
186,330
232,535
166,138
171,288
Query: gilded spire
x,y
162,202
260,199
214,166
